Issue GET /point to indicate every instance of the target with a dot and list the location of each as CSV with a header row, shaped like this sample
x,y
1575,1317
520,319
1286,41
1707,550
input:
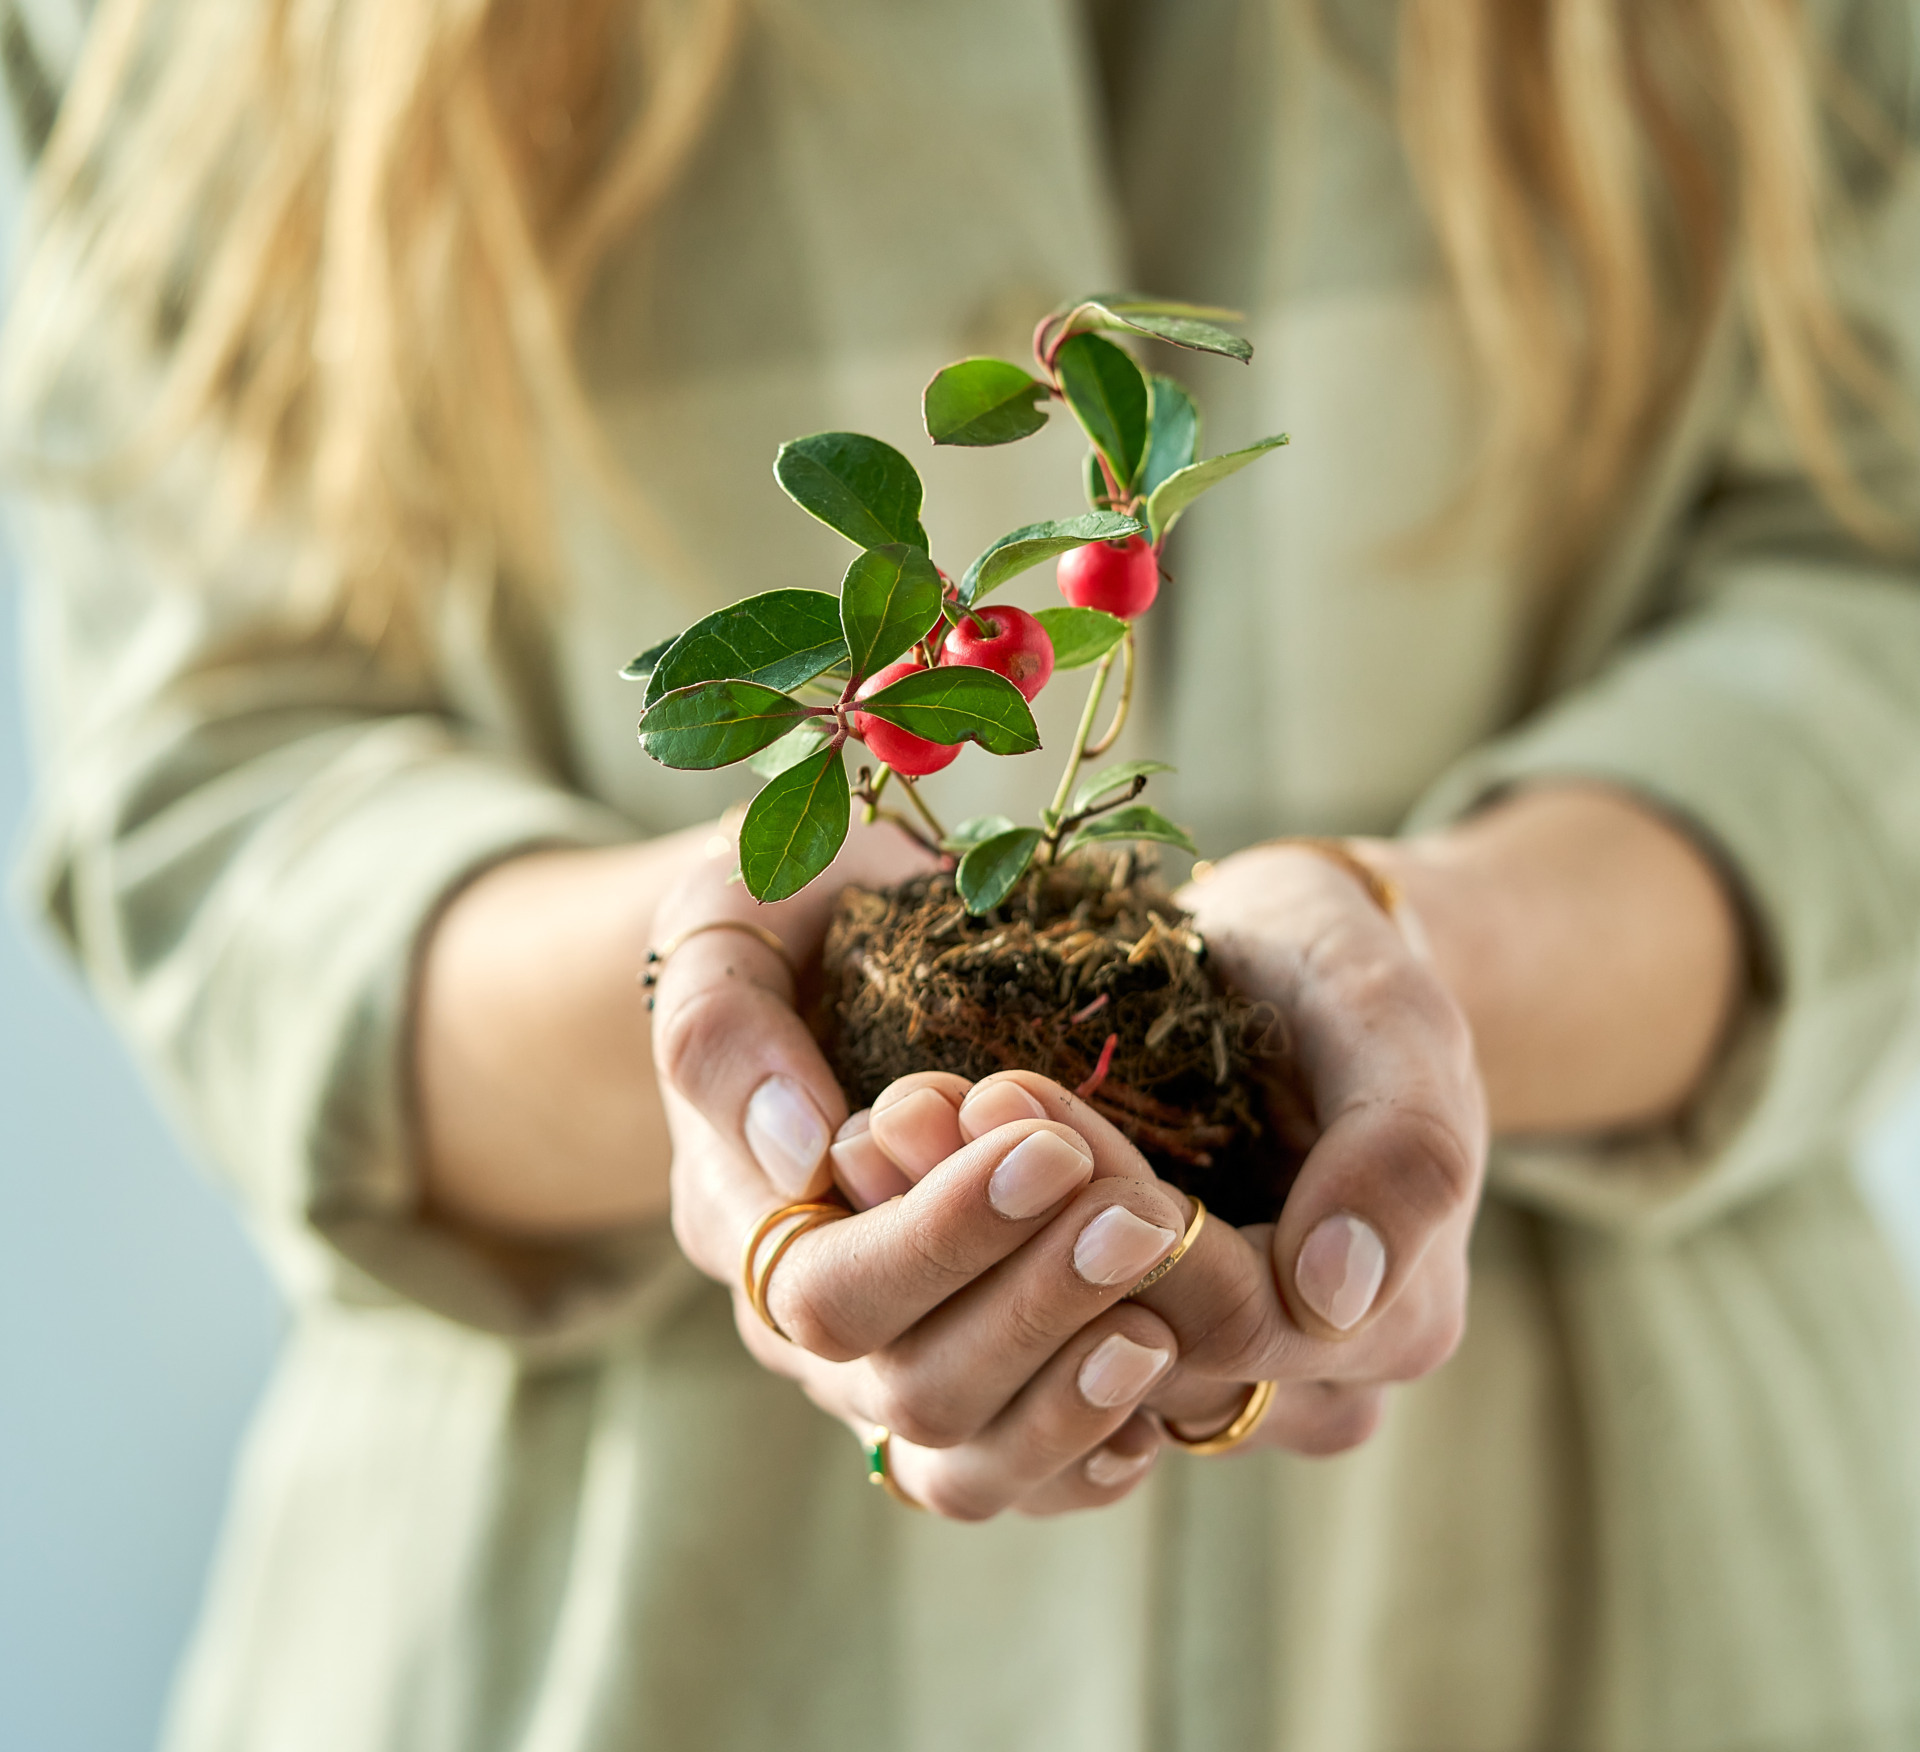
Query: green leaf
x,y
643,666
716,723
987,873
1108,394
1193,326
1173,437
984,401
961,704
972,831
795,826
1180,489
780,639
1080,635
1114,778
1135,823
890,597
864,489
1015,551
802,740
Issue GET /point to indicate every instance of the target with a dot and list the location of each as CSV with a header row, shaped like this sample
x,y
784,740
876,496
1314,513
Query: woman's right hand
x,y
980,1314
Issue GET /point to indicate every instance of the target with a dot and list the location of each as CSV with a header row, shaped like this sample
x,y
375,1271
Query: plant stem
x,y
896,819
1126,700
927,815
870,792
1057,813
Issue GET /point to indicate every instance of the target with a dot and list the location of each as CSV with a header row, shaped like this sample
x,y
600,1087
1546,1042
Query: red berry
x,y
909,755
1015,645
1122,578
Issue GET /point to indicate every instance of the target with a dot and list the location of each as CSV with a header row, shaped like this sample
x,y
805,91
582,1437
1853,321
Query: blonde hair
x,y
357,232
1599,172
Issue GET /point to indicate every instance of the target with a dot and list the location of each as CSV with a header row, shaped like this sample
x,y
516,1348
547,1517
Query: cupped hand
x,y
979,1313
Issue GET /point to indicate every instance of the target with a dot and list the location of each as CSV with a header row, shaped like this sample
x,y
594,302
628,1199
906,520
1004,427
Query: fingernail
x,y
1117,1247
786,1134
1118,1370
994,1105
1036,1174
862,1168
919,1132
1106,1468
1340,1269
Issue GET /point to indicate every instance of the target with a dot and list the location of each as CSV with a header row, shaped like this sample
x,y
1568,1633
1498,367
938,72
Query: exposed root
x,y
1103,988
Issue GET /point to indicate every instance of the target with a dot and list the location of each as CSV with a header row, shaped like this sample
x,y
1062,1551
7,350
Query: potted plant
x,y
1049,945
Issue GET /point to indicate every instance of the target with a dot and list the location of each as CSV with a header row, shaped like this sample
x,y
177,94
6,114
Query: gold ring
x,y
1172,1259
1381,888
1245,1421
657,958
754,1283
880,1467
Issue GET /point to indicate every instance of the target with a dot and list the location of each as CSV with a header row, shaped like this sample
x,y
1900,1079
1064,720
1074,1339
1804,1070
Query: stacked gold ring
x,y
755,1278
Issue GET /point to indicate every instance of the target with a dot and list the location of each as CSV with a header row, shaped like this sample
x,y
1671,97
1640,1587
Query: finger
x,y
862,1170
727,1040
1007,1095
1390,1062
1080,1400
954,1372
916,1120
850,1287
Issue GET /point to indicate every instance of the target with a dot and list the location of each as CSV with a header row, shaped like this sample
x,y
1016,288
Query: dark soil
x,y
1200,1079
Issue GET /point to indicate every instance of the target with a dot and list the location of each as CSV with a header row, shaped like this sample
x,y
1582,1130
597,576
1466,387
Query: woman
x,y
1589,567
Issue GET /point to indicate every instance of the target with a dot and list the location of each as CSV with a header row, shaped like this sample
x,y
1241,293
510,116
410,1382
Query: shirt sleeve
x,y
1774,712
243,826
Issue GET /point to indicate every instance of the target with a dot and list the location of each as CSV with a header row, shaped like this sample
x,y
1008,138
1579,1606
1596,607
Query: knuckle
x,y
1436,1342
934,1247
694,1031
1235,1338
1434,1170
927,1420
811,1320
957,1498
1344,1420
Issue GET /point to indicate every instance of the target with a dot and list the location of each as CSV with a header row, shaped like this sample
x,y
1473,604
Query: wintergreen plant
x,y
911,665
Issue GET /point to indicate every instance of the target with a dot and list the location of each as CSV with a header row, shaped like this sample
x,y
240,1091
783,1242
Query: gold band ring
x,y
1172,1259
880,1468
1245,1421
657,958
755,1282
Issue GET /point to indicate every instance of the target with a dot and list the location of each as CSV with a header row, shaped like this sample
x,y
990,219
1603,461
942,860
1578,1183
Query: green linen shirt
x,y
1667,1496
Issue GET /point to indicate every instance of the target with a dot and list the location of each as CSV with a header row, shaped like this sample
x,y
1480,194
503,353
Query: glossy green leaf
x,y
973,830
1015,551
984,401
1137,822
1173,433
716,723
795,826
1108,394
987,873
1080,635
864,489
780,639
890,597
805,738
1115,778
643,666
961,704
1193,326
1179,490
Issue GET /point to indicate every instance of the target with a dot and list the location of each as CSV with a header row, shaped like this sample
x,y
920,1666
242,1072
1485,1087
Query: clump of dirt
x,y
1105,989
